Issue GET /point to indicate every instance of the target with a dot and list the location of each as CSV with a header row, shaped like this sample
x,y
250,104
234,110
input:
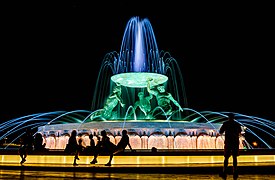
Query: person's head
x,y
38,136
141,94
28,131
231,116
117,88
124,132
91,136
73,133
103,133
161,88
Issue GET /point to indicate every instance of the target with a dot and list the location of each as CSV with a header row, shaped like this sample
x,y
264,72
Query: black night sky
x,y
52,52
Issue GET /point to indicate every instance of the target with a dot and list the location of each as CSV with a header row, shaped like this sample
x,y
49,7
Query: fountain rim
x,y
139,79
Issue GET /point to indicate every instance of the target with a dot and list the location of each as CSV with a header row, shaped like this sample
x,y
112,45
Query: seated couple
x,y
105,145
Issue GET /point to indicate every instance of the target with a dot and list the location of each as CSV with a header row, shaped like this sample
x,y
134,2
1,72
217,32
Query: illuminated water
x,y
138,60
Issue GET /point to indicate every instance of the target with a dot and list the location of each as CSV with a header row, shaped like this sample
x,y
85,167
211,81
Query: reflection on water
x,y
37,175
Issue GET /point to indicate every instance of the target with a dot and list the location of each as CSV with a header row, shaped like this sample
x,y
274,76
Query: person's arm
x,y
175,102
120,100
240,131
150,91
222,129
149,97
129,144
136,105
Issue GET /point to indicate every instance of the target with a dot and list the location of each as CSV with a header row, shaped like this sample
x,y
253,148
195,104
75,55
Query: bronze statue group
x,y
163,98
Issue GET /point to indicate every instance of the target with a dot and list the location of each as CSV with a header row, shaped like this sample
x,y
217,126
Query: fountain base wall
x,y
143,134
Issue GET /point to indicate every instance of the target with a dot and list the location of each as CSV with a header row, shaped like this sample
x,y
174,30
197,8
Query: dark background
x,y
52,52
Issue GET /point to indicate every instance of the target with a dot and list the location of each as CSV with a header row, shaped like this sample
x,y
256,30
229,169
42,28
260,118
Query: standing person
x,y
120,147
73,146
104,145
91,148
79,149
92,142
26,146
38,142
232,130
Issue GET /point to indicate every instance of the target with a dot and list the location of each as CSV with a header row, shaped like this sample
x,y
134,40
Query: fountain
x,y
141,89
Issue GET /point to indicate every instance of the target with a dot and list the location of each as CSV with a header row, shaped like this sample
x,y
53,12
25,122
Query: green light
x,y
138,79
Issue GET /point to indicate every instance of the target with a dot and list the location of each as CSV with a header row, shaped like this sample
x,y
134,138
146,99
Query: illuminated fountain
x,y
141,89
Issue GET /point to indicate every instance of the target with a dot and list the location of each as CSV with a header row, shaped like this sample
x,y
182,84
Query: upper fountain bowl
x,y
139,79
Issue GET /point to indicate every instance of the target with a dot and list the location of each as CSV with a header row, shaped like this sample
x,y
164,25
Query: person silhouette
x,y
120,147
38,144
90,148
232,130
26,146
79,149
73,146
163,99
103,146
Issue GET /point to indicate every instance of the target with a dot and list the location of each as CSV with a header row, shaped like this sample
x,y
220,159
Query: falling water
x,y
139,53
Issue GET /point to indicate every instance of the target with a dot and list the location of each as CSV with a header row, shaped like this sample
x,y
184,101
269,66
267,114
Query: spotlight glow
x,y
139,79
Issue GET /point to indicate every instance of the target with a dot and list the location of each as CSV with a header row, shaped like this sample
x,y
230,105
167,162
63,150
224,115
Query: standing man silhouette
x,y
232,130
74,146
26,145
